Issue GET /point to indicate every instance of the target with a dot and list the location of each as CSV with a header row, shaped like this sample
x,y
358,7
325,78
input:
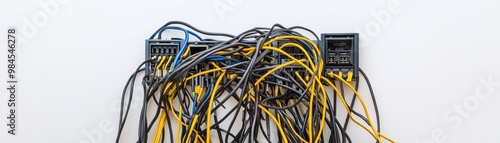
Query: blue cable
x,y
184,43
220,58
176,28
183,115
310,50
205,97
194,103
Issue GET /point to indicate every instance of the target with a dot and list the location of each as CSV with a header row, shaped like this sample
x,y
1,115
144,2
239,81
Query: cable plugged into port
x,y
161,49
340,54
296,52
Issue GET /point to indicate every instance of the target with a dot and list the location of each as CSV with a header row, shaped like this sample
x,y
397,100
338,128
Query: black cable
x,y
372,94
353,100
131,80
192,27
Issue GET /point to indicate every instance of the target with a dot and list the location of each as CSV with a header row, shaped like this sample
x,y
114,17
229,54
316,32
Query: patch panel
x,y
158,48
294,52
340,54
169,48
194,48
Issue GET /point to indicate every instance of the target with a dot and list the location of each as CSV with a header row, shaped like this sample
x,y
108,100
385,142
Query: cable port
x,y
340,53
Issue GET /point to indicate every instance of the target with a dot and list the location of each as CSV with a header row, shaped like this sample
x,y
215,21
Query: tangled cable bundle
x,y
236,90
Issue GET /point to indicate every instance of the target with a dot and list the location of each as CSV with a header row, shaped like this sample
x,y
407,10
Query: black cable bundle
x,y
263,85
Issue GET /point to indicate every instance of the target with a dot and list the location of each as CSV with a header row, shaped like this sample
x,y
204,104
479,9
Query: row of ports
x,y
163,50
340,50
338,59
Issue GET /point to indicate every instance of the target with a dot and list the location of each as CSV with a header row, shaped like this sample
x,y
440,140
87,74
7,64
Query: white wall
x,y
430,62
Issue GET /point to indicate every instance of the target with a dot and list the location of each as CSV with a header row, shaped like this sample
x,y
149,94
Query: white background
x,y
428,62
